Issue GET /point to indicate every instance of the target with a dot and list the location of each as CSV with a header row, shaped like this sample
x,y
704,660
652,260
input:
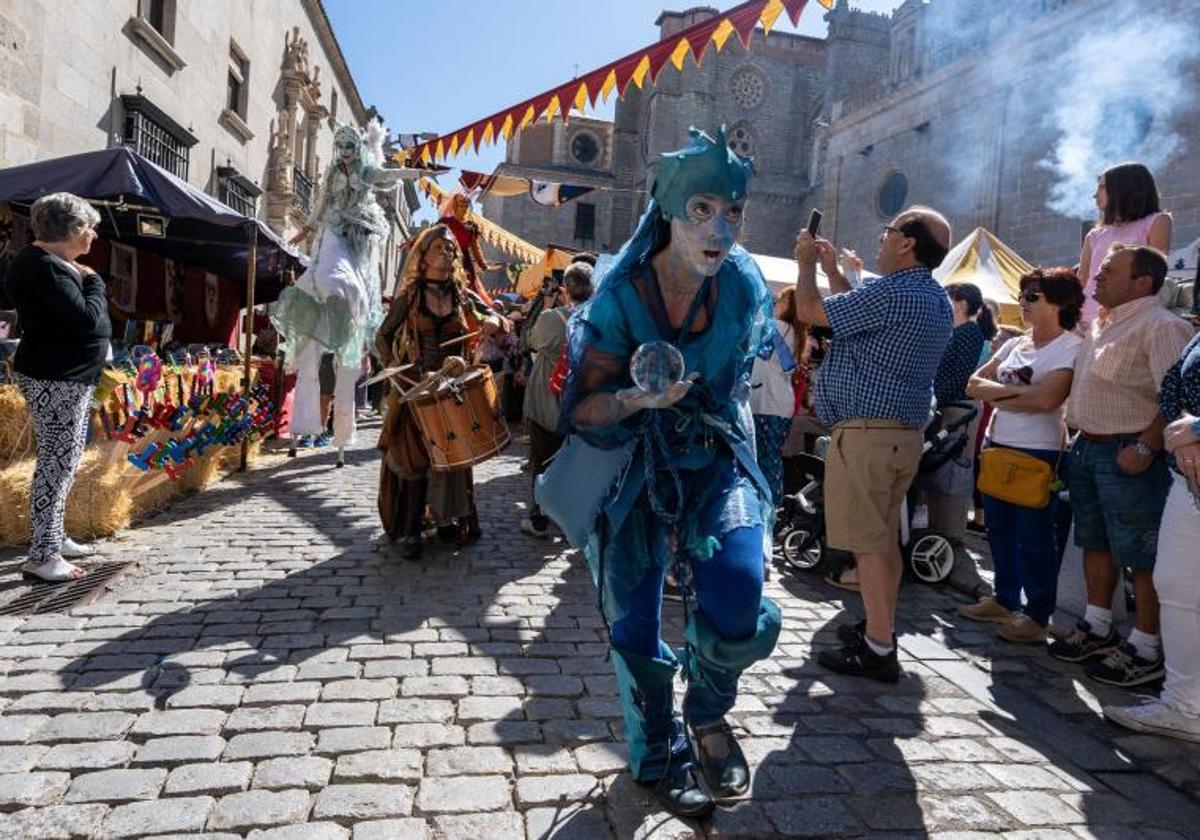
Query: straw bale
x,y
16,428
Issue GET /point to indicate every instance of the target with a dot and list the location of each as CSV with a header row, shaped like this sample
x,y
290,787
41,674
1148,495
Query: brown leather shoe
x,y
1022,629
987,609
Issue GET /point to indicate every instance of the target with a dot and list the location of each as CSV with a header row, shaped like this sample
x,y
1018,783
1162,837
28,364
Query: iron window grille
x,y
302,189
238,191
155,136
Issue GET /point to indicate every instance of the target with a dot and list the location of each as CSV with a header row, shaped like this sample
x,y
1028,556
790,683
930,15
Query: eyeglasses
x,y
889,229
1031,296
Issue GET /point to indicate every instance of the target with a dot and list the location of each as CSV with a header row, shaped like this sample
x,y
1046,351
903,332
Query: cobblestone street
x,y
266,672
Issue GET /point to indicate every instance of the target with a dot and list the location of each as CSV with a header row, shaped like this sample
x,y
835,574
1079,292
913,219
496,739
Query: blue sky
x,y
436,66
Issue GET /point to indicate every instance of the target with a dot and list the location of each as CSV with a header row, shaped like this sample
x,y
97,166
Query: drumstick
x,y
459,340
385,373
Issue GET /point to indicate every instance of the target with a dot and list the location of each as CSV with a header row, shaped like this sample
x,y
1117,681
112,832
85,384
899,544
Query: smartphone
x,y
814,222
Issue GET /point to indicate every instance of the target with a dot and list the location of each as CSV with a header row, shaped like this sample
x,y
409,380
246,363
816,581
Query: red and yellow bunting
x,y
614,77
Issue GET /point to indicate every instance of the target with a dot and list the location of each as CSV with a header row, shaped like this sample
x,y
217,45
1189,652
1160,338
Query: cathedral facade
x,y
993,111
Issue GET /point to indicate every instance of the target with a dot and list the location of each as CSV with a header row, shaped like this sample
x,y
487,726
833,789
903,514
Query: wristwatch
x,y
1141,448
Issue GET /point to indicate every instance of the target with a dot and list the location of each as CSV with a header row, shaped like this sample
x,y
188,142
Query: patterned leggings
x,y
60,415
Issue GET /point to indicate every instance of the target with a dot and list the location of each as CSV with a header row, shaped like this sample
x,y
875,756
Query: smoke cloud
x,y
1126,78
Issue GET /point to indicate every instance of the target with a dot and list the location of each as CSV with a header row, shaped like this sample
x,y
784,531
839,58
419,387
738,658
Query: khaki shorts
x,y
868,470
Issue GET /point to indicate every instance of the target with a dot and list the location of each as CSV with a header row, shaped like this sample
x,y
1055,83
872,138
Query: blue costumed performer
x,y
654,479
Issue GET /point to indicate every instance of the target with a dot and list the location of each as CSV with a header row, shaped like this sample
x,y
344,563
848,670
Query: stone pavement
x,y
268,673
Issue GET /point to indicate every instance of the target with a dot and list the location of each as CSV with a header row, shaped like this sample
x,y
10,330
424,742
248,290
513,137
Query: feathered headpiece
x,y
369,139
704,166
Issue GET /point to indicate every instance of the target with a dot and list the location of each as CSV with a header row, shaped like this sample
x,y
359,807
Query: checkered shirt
x,y
888,340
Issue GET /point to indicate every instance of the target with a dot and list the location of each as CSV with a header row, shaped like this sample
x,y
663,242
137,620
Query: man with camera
x,y
875,392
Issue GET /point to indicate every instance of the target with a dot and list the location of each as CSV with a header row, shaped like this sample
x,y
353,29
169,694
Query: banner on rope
x,y
491,232
546,193
614,77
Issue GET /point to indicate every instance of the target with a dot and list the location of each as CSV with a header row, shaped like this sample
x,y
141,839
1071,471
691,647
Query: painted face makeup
x,y
709,228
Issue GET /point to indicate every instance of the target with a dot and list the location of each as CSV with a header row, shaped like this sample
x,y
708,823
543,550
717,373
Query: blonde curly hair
x,y
419,244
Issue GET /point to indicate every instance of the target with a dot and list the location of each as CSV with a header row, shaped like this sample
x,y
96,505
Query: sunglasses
x,y
1031,296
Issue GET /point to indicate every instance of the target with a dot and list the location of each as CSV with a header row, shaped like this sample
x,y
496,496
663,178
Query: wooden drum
x,y
460,421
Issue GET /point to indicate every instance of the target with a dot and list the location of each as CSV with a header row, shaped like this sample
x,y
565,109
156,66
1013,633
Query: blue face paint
x,y
705,166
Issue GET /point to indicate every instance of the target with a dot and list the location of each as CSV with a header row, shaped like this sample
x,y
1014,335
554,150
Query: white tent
x,y
780,274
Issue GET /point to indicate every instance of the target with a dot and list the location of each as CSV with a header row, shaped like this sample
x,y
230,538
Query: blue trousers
x,y
728,592
1025,551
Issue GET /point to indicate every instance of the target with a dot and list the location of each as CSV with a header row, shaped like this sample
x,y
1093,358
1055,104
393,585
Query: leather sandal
x,y
721,759
54,570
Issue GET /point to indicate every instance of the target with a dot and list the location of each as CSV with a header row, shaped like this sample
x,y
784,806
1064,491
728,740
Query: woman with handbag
x,y
1027,382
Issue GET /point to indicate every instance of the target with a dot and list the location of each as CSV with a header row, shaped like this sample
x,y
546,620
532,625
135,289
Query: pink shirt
x,y
1097,243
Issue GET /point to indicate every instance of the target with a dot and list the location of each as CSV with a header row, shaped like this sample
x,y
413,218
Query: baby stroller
x,y
929,556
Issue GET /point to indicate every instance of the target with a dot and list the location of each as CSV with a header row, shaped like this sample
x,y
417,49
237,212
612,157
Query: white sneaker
x,y
1157,717
72,550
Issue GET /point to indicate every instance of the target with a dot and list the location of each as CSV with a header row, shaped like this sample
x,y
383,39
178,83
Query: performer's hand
x,y
635,399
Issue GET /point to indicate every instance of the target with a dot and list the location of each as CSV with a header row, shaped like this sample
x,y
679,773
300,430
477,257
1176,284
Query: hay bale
x,y
16,426
99,504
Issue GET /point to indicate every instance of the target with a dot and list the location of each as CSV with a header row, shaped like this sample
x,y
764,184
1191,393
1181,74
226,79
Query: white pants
x,y
1177,580
306,413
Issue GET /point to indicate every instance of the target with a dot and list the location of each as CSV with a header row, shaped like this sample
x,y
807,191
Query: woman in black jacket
x,y
64,315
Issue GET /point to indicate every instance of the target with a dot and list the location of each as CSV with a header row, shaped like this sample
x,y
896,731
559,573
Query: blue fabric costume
x,y
672,487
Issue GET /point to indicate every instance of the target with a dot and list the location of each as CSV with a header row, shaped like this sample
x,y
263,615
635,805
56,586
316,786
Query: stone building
x,y
945,102
971,112
237,97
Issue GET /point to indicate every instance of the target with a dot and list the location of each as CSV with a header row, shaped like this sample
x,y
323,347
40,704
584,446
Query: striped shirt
x,y
1121,365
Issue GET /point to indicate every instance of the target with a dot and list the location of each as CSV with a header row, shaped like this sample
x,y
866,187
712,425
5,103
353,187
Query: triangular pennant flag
x,y
507,128
701,39
770,14
639,73
610,82
658,58
582,98
453,146
721,33
681,51
489,135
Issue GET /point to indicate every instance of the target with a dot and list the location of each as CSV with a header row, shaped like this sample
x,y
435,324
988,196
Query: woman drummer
x,y
434,317
687,492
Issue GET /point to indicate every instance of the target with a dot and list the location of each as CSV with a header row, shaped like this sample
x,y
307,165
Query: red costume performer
x,y
455,216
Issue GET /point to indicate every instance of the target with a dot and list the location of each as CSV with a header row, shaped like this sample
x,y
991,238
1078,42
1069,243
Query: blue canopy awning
x,y
201,231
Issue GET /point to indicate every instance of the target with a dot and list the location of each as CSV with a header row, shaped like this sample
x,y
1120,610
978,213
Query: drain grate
x,y
46,597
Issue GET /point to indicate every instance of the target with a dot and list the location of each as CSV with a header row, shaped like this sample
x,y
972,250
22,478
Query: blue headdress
x,y
704,166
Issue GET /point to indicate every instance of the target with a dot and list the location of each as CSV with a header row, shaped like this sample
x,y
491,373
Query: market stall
x,y
180,404
981,258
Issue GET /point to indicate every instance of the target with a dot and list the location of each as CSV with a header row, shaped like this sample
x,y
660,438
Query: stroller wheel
x,y
803,550
931,558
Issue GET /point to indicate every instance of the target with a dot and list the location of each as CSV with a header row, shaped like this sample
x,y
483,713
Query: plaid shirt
x,y
888,340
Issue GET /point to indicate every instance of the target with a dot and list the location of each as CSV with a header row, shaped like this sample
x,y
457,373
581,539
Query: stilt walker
x,y
336,306
662,474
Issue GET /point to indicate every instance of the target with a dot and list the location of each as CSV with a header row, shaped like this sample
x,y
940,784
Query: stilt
x,y
341,461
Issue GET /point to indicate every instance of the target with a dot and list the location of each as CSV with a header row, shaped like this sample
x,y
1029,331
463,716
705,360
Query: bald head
x,y
918,237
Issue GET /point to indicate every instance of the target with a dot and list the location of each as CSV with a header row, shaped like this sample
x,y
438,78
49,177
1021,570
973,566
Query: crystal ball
x,y
656,366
